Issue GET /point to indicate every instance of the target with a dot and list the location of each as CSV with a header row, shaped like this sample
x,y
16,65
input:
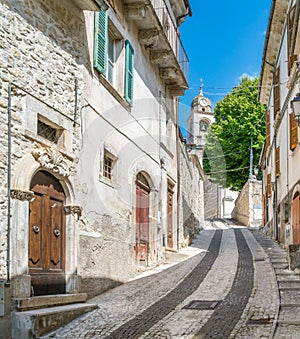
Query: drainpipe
x,y
8,183
178,171
276,194
159,212
76,101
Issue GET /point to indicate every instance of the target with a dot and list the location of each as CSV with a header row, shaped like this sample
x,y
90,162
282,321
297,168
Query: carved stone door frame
x,y
20,199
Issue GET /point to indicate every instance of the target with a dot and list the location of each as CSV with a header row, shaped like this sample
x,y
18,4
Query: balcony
x,y
159,34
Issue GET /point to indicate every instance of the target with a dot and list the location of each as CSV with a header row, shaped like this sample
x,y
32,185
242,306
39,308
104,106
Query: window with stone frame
x,y
108,164
48,130
113,56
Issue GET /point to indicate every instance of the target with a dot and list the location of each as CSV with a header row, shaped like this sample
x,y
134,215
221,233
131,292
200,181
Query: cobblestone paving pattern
x,y
226,316
119,305
183,323
264,300
141,323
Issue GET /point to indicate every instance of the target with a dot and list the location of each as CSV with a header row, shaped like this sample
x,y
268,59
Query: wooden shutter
x,y
277,161
293,132
268,129
269,185
129,70
100,48
276,91
291,57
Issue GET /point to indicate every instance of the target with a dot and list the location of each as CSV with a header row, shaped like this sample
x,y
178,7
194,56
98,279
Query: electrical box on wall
x,y
1,298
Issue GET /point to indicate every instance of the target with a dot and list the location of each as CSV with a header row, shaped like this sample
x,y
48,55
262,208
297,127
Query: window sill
x,y
113,91
106,182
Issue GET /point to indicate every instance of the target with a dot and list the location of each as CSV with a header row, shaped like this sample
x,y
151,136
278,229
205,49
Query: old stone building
x,y
278,91
90,164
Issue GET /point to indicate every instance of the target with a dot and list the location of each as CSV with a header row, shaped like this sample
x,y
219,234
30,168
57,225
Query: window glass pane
x,y
110,59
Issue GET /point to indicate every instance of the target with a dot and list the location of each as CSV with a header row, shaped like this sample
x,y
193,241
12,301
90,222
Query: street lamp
x,y
295,105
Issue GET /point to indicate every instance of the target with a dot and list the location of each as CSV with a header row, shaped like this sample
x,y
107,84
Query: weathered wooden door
x,y
170,219
46,250
142,222
296,219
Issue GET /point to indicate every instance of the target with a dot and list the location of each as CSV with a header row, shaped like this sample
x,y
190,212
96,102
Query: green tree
x,y
239,118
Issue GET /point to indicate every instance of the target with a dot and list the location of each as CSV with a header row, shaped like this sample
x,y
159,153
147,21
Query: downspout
x,y
8,184
76,101
178,172
276,193
159,215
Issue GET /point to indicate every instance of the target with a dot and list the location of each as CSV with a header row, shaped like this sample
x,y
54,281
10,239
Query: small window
x,y
48,132
107,166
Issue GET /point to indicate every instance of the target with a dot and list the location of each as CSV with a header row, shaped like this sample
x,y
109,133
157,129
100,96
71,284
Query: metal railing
x,y
169,25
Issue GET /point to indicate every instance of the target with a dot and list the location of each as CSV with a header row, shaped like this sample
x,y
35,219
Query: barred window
x,y
48,132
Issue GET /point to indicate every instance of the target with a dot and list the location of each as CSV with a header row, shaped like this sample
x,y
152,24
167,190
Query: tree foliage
x,y
239,117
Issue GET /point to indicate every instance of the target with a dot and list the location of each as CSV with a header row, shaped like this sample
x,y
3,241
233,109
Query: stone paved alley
x,y
234,284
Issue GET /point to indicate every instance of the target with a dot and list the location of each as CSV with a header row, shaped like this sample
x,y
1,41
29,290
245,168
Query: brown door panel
x,y
35,234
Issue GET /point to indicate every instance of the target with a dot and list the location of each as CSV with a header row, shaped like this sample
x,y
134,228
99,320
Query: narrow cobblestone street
x,y
235,285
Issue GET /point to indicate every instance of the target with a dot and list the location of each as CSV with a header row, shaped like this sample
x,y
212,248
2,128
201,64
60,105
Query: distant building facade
x,y
281,156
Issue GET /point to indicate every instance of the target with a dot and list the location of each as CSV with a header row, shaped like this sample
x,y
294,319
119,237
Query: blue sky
x,y
224,40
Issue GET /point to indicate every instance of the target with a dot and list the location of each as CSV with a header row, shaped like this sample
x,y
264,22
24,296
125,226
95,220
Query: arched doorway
x,y
296,218
46,247
142,219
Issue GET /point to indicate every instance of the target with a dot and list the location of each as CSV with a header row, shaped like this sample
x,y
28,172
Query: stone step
x,y
289,284
173,257
289,315
25,304
290,297
36,323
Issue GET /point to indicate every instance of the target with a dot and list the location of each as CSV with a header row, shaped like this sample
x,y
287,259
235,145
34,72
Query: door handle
x,y
36,229
56,233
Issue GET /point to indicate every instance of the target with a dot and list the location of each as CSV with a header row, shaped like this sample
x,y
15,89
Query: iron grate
x,y
202,305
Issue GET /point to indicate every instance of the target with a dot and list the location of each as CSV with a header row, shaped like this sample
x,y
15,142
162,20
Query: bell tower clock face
x,y
203,102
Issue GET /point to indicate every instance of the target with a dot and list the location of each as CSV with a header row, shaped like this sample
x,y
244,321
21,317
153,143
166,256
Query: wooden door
x,y
142,223
296,219
170,219
46,249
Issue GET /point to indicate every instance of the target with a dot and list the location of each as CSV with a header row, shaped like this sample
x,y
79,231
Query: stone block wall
x,y
248,205
43,63
191,200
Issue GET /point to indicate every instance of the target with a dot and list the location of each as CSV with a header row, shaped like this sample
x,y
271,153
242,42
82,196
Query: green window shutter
x,y
100,48
129,70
